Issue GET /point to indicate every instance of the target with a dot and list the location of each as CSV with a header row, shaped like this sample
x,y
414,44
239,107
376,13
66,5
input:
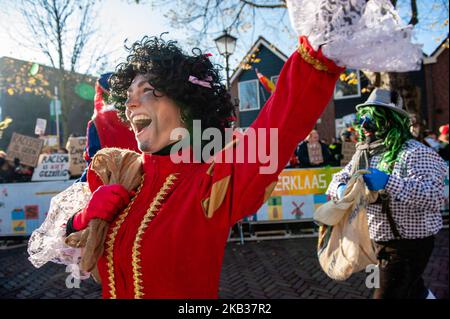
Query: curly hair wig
x,y
169,69
392,127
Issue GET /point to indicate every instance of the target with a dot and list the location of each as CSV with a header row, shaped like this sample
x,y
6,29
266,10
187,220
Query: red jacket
x,y
170,241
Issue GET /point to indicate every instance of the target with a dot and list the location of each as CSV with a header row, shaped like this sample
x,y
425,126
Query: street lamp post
x,y
57,110
226,44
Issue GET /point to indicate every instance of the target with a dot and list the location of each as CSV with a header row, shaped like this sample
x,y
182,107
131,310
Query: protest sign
x,y
50,141
52,167
25,148
76,146
41,124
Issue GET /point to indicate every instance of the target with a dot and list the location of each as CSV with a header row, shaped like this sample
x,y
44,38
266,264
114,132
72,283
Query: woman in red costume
x,y
167,238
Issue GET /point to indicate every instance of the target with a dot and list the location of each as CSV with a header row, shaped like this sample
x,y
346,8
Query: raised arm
x,y
304,88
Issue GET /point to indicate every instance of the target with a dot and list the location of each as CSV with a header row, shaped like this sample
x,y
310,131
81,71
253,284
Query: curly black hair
x,y
169,69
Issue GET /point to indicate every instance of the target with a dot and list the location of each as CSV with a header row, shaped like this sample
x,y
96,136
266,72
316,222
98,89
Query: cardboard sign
x,y
76,146
25,148
41,124
348,150
52,167
50,140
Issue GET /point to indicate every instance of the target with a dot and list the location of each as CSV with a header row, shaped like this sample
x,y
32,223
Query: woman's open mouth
x,y
140,122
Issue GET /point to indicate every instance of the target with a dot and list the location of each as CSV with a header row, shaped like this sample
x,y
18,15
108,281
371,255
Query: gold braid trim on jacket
x,y
113,166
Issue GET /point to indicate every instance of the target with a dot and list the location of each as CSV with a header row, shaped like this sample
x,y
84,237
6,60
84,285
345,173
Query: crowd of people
x,y
311,152
17,172
14,172
315,152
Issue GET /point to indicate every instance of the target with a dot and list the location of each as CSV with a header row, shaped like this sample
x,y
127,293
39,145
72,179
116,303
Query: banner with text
x,y
77,163
52,167
25,148
297,194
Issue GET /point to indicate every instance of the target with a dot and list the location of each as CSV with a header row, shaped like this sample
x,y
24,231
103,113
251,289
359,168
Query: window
x,y
274,79
248,95
348,85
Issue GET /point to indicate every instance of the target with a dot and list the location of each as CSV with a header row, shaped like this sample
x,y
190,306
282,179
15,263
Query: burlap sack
x,y
113,166
344,245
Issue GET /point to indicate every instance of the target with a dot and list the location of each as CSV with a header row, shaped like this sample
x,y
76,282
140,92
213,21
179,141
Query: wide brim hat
x,y
385,98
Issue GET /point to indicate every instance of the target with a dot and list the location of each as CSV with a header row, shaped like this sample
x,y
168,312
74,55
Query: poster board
x,y
52,167
25,148
77,163
50,141
41,125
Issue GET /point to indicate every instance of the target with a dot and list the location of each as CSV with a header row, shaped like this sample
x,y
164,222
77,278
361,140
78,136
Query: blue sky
x,y
120,20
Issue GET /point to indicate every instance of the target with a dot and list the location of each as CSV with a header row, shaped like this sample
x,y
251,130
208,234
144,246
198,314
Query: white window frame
x,y
272,78
257,95
350,96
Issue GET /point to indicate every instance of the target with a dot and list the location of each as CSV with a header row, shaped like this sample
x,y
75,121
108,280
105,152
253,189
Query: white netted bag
x,y
47,242
357,34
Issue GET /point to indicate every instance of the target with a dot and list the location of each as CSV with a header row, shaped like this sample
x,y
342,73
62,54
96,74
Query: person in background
x,y
443,139
7,171
409,179
335,149
293,161
106,129
312,152
22,173
431,140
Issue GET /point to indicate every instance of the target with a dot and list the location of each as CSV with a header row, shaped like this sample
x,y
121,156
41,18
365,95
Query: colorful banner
x,y
304,181
24,206
299,192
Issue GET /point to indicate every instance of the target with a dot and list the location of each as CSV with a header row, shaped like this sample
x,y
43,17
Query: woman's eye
x,y
147,90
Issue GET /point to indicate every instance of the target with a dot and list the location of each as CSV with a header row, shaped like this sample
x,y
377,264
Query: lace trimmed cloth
x,y
47,242
357,34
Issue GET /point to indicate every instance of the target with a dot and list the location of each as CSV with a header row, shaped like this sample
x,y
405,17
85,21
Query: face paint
x,y
367,123
368,126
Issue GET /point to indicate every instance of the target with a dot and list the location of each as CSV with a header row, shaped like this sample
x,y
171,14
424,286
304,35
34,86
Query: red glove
x,y
106,202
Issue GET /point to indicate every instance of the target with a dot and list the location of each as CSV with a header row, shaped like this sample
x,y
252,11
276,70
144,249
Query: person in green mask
x,y
409,178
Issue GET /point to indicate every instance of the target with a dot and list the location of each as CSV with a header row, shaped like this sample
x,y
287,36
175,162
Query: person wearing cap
x,y
106,129
409,178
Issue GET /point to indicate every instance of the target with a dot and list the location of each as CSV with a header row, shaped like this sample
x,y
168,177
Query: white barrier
x,y
24,206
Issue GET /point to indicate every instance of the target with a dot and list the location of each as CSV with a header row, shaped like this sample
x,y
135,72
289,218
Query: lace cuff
x,y
47,242
358,34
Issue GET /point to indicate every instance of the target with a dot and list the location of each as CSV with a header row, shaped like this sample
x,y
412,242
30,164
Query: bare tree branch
x,y
414,14
281,4
61,30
